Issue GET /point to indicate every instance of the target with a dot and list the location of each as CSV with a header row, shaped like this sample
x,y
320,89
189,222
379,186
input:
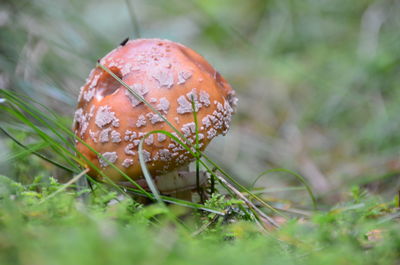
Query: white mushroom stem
x,y
179,180
179,183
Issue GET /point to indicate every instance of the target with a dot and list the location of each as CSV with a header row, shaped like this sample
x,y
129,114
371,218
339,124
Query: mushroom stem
x,y
179,183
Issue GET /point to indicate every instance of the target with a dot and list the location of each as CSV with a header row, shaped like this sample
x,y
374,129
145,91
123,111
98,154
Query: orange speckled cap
x,y
168,75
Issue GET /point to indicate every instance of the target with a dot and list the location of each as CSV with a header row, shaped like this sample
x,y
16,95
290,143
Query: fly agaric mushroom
x,y
169,76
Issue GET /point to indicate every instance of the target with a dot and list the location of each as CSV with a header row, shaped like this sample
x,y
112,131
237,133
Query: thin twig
x,y
265,217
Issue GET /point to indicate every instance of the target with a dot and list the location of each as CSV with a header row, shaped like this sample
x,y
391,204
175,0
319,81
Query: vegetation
x,y
69,229
314,145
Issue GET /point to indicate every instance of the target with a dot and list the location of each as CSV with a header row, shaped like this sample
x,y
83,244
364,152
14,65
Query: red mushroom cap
x,y
168,75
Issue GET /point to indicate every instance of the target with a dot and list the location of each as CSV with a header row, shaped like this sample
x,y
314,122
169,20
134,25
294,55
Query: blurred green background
x,y
318,80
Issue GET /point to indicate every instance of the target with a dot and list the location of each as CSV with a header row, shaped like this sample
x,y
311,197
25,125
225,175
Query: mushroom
x,y
169,76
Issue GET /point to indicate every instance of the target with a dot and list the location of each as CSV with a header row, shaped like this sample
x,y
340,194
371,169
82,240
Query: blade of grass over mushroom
x,y
297,176
146,172
196,148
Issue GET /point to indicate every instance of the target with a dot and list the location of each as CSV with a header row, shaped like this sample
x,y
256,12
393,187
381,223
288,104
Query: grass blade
x,y
66,185
298,177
